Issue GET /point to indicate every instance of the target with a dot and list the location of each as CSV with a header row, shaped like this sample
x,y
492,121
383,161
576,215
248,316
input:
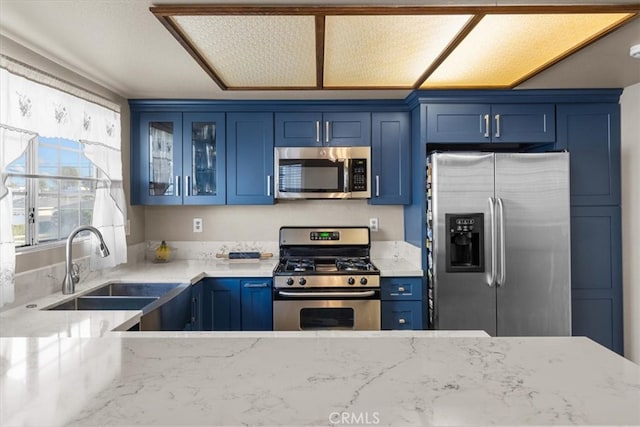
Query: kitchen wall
x,y
630,106
262,222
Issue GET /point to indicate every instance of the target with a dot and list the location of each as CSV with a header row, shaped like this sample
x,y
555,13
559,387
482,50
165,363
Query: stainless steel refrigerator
x,y
498,239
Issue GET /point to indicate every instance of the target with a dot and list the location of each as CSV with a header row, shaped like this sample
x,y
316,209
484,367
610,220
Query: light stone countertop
x,y
383,378
31,322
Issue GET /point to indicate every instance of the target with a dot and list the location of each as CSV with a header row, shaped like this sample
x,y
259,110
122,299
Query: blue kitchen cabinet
x,y
197,309
178,159
591,134
401,303
390,158
315,129
596,274
483,123
250,158
221,305
257,304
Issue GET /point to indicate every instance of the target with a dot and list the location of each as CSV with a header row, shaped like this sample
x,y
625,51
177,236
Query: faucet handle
x,y
75,273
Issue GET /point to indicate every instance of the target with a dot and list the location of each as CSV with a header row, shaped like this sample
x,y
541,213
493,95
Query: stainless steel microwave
x,y
322,172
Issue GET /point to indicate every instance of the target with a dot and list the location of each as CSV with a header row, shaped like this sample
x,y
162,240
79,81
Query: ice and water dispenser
x,y
465,242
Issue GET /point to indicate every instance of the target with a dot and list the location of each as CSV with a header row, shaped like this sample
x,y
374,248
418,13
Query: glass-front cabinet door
x,y
160,160
203,158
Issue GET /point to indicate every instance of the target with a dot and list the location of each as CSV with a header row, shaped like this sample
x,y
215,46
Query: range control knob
x,y
302,281
290,281
363,281
351,280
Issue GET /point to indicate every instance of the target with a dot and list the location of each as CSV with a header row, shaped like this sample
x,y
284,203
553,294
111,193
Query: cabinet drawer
x,y
401,315
401,288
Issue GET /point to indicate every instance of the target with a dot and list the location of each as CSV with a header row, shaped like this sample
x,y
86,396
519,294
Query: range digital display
x,y
325,235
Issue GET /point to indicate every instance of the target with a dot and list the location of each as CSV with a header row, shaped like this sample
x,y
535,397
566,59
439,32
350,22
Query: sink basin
x,y
164,306
133,289
105,303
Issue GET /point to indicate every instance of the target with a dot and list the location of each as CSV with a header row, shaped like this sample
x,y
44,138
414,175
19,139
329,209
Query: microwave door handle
x,y
347,168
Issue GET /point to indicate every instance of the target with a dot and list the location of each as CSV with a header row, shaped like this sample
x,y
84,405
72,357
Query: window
x,y
54,186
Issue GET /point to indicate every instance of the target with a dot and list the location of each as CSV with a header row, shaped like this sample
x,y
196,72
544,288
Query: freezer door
x,y
462,184
534,280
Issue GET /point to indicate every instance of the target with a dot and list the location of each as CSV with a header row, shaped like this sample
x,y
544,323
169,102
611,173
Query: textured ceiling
x,y
121,46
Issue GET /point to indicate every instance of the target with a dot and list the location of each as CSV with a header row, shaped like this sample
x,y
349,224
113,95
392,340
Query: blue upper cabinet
x,y
179,159
481,123
250,158
591,134
309,129
391,158
203,158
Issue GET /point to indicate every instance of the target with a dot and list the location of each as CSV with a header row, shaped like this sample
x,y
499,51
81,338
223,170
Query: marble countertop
x,y
323,378
37,321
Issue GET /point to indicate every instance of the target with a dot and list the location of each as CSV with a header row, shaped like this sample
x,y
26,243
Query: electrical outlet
x,y
197,225
373,224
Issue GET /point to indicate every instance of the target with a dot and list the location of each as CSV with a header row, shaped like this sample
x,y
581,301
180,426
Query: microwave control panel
x,y
359,175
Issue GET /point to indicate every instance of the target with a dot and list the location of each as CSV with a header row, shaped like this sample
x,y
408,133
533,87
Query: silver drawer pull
x,y
402,321
401,289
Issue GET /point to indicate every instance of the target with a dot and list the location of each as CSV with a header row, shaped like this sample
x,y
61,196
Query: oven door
x,y
316,310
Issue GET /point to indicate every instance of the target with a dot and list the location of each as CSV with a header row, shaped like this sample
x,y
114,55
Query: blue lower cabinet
x,y
257,305
197,310
401,315
221,305
401,305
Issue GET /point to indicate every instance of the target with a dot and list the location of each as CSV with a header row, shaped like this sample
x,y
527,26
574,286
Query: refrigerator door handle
x,y
494,243
502,275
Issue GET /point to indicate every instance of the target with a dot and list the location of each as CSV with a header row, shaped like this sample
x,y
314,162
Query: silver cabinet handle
x,y
401,289
269,185
402,321
502,276
497,125
177,185
187,185
326,294
494,241
318,131
486,126
256,285
326,131
377,185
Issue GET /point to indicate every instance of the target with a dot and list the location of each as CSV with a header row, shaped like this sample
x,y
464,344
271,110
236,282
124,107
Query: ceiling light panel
x,y
255,51
384,51
503,49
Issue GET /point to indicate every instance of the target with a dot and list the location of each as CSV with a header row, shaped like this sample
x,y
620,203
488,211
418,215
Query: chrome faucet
x,y
72,273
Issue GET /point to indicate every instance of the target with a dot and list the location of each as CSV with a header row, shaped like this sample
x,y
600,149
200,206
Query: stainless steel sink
x,y
105,303
164,306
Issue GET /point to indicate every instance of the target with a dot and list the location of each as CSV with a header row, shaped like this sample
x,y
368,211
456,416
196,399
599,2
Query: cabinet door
x,y
221,304
391,159
257,305
250,158
298,129
197,309
203,158
522,123
401,315
346,129
596,274
591,134
464,123
157,164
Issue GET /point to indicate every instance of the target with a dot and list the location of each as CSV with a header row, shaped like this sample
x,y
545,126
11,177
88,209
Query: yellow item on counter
x,y
163,253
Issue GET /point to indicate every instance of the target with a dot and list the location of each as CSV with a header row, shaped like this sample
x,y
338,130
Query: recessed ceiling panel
x,y
255,51
503,49
384,51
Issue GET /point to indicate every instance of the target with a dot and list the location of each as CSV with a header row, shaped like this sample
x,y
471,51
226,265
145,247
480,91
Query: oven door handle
x,y
326,294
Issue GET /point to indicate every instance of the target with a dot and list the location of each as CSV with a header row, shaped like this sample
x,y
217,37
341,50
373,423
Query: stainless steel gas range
x,y
325,280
